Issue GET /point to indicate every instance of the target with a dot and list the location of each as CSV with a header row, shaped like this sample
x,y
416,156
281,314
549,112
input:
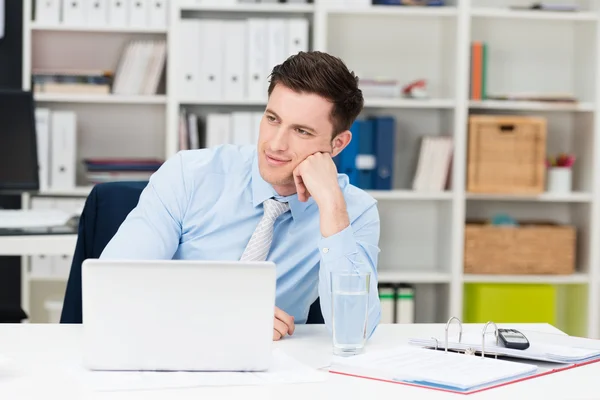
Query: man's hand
x,y
284,324
316,176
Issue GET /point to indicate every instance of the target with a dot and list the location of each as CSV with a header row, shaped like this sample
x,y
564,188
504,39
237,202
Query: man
x,y
209,203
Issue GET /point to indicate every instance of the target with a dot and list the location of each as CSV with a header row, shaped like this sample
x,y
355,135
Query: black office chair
x,y
105,209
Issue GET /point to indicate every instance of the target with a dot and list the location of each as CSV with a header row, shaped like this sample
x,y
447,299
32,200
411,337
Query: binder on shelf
x,y
277,43
257,67
96,12
384,133
42,128
188,84
366,160
118,13
445,366
242,130
63,158
158,14
234,85
210,56
138,13
218,129
48,12
297,35
73,12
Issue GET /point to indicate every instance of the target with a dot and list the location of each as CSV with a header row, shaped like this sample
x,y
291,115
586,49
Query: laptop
x,y
177,315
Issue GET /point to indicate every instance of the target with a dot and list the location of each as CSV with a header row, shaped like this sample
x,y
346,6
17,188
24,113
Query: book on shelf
x,y
479,70
237,128
79,81
100,170
434,164
141,67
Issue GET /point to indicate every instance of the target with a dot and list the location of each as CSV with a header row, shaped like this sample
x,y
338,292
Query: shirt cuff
x,y
342,244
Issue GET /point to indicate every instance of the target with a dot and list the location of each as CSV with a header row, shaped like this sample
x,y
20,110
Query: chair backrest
x,y
105,209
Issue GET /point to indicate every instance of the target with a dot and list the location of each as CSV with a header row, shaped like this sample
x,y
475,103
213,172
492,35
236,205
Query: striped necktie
x,y
258,247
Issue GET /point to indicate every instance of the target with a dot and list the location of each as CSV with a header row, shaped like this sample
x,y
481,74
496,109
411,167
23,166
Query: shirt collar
x,y
262,190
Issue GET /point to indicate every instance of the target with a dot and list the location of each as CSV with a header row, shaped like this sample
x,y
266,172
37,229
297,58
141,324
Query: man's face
x,y
294,126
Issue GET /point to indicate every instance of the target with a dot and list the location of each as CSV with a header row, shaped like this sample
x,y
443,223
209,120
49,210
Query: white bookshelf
x,y
421,233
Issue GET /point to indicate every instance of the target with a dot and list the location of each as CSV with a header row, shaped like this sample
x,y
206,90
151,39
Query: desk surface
x,y
41,352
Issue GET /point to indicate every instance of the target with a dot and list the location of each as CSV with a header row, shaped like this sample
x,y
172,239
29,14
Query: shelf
x,y
81,191
34,278
369,103
534,15
221,102
409,103
409,195
391,10
392,276
92,29
530,106
575,197
192,5
99,98
543,279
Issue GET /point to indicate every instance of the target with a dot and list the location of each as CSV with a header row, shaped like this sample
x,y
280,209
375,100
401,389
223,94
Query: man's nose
x,y
279,141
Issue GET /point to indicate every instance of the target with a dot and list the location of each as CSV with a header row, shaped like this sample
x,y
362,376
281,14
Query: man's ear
x,y
340,142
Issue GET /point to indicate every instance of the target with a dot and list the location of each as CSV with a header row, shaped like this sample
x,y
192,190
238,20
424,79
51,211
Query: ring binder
x,y
483,338
459,335
436,342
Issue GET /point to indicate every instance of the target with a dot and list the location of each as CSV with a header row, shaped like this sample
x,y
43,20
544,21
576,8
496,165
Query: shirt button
x,y
325,250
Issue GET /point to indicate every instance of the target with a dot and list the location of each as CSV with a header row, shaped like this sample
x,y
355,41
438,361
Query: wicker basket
x,y
506,154
534,248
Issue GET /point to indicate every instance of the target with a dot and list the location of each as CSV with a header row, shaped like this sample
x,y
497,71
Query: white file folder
x,y
157,14
47,12
97,12
188,59
73,12
256,120
256,78
277,48
64,148
297,35
234,81
118,13
138,13
242,129
211,59
218,129
42,128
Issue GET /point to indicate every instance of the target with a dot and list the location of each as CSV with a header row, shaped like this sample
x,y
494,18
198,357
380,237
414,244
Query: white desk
x,y
29,245
44,351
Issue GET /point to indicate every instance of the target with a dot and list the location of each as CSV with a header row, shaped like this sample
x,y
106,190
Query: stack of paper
x,y
434,369
284,369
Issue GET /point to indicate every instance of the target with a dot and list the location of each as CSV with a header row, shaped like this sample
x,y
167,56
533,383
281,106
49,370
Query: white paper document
x,y
285,369
430,368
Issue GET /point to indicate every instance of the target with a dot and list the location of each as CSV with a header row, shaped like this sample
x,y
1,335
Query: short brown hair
x,y
325,75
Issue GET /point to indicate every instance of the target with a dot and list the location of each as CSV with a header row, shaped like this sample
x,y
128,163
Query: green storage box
x,y
563,306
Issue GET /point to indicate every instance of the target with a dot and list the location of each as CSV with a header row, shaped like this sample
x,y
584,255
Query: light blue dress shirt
x,y
205,204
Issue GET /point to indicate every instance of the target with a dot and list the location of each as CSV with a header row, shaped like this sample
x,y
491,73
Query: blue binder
x,y
384,133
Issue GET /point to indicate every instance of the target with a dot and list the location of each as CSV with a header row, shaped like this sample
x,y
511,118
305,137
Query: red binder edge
x,y
550,372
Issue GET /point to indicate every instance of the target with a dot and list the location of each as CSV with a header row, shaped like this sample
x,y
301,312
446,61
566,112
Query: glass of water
x,y
349,310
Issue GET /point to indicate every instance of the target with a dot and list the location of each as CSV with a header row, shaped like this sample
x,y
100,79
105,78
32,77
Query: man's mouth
x,y
276,161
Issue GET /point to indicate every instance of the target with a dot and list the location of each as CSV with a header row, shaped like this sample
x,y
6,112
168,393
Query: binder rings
x,y
471,367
